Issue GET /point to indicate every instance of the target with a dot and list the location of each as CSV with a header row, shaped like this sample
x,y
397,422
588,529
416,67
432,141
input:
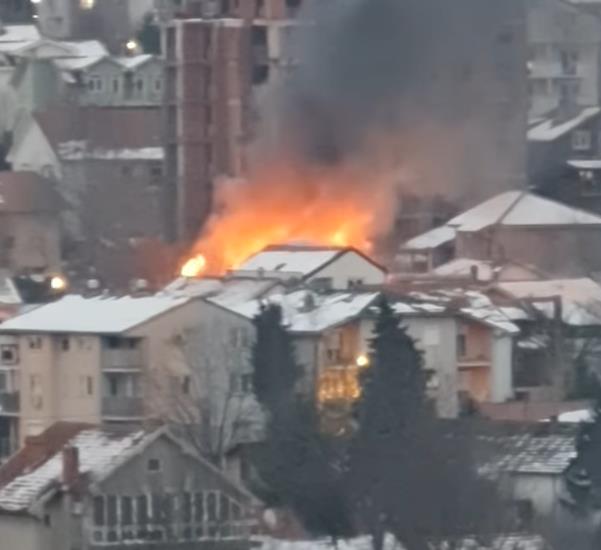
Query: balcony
x,y
9,403
122,359
122,407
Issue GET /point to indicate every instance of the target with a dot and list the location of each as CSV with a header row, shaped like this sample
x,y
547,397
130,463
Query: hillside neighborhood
x,y
296,275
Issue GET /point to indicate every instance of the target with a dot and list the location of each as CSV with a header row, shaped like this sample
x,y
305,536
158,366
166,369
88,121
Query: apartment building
x,y
564,41
87,360
215,66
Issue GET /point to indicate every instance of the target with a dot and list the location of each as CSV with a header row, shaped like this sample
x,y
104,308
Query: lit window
x,y
87,4
339,384
581,140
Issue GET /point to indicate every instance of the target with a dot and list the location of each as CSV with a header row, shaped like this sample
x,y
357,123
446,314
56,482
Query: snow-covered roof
x,y
79,150
580,298
19,33
431,239
462,267
98,315
511,208
551,129
519,208
305,311
291,259
98,451
508,541
78,63
530,454
594,164
134,61
9,295
224,291
575,417
86,48
472,304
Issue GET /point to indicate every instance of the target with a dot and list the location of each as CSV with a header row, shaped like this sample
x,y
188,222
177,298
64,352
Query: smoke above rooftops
x,y
408,80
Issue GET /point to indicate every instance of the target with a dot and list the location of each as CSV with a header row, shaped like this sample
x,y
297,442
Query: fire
x,y
289,203
194,266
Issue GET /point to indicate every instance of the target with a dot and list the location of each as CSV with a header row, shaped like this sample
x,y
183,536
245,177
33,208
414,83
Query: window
x,y
211,506
115,85
87,4
111,510
153,465
355,283
3,381
127,512
112,383
186,385
569,62
89,385
524,512
98,511
158,84
224,508
139,85
65,343
186,507
142,509
581,140
35,342
461,345
199,508
9,354
156,172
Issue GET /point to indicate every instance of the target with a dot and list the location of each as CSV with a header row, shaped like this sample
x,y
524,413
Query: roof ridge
x,y
521,195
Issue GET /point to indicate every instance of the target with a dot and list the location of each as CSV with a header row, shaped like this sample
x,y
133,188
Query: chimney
x,y
70,466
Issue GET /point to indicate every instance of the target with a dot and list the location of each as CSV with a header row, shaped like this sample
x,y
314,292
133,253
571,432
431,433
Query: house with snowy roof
x,y
93,359
512,226
83,486
324,267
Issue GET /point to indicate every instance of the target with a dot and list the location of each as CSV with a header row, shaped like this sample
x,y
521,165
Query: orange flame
x,y
284,203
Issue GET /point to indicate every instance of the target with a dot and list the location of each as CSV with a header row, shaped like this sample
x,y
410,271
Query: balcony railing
x,y
122,407
9,403
122,359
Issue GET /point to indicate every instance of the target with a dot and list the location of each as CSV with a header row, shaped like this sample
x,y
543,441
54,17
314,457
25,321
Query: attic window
x,y
153,465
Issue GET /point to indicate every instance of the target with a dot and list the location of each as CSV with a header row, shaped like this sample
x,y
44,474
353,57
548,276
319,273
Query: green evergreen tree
x,y
149,35
411,474
583,476
297,463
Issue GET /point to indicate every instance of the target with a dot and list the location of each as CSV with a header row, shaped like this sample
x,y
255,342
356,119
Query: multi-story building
x,y
564,40
16,11
87,359
213,66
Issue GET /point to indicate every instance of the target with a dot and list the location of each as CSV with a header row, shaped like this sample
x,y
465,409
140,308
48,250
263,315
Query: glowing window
x,y
87,4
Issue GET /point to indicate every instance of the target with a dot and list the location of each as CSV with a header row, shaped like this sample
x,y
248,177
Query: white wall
x,y
437,338
501,379
33,152
351,266
22,533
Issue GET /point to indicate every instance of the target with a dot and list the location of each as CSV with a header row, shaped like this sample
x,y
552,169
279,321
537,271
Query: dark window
x,y
9,354
156,505
35,342
156,171
113,385
199,509
99,511
153,465
524,514
115,85
127,512
211,506
142,509
90,385
65,343
186,385
235,510
461,345
111,510
186,507
224,508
